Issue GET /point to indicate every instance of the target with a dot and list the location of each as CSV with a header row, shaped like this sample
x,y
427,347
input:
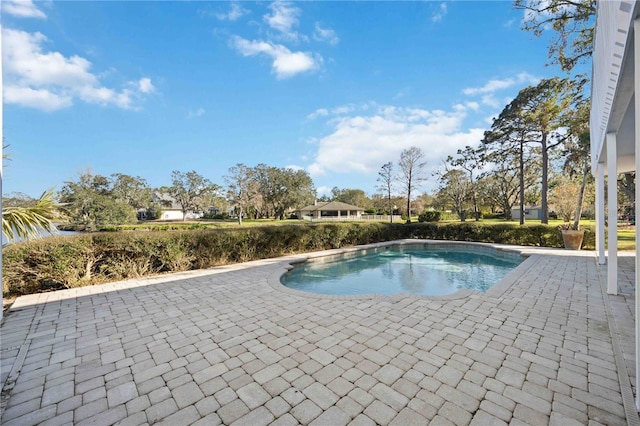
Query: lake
x,y
45,234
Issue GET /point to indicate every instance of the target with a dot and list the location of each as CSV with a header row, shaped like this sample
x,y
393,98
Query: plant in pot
x,y
571,236
576,165
564,199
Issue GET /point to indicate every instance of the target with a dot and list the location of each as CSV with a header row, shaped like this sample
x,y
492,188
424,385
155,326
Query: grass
x,y
626,238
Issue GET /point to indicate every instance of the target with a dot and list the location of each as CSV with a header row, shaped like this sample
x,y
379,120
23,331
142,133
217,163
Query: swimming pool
x,y
427,270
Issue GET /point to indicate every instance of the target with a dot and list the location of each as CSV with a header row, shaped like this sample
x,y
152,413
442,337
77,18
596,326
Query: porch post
x,y
636,119
600,228
612,204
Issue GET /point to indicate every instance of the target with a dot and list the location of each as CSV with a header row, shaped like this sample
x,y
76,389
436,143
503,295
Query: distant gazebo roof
x,y
330,206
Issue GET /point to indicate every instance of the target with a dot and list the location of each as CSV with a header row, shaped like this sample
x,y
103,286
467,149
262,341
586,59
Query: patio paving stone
x,y
227,346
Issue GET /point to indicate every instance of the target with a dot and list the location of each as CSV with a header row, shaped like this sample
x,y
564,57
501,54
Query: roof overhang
x,y
612,86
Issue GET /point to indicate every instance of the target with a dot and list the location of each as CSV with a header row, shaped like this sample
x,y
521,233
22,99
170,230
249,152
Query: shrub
x,y
73,261
487,215
217,216
430,216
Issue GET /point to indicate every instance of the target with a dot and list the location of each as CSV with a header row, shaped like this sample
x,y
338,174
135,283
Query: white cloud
x,y
490,100
362,143
293,167
22,9
35,98
539,11
472,105
323,190
320,112
344,109
489,120
145,85
197,113
285,62
50,81
339,110
325,34
440,13
283,18
235,13
495,85
402,93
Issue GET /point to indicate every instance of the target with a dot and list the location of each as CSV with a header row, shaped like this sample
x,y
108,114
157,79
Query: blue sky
x,y
335,88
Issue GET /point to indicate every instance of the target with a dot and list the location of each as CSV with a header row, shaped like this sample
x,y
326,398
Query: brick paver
x,y
229,346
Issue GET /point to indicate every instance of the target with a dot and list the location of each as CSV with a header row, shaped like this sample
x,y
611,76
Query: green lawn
x,y
627,238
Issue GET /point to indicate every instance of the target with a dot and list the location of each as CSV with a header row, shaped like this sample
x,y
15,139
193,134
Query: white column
x,y
612,204
636,36
600,228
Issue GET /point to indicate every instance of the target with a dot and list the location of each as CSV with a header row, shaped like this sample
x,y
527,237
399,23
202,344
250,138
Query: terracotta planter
x,y
572,239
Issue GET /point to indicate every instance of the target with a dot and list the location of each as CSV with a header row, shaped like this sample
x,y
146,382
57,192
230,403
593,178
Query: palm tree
x,y
31,221
28,222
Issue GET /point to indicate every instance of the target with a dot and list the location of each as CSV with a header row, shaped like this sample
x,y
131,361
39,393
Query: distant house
x,y
530,212
332,210
171,210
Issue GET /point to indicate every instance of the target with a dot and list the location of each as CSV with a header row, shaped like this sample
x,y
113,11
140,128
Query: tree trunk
x,y
585,172
409,204
240,216
390,207
521,178
545,177
507,210
475,206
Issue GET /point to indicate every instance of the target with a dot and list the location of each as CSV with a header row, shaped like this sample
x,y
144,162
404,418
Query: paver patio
x,y
228,346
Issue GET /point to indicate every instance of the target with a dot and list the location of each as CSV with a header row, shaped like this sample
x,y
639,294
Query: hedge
x,y
72,261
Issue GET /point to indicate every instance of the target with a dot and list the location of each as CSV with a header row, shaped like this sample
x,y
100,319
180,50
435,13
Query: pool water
x,y
428,270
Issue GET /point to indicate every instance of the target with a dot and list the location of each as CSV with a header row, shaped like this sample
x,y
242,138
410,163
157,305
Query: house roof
x,y
166,201
330,206
527,207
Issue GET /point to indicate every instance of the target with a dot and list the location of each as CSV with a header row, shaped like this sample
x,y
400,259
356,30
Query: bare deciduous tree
x,y
411,172
385,177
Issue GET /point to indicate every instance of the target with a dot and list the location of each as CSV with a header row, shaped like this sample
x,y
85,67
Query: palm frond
x,y
30,222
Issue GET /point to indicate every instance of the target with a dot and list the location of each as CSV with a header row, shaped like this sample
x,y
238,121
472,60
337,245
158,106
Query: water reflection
x,y
44,234
420,270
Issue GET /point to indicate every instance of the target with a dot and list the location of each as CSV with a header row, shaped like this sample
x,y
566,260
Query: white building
x,y
615,129
332,210
530,212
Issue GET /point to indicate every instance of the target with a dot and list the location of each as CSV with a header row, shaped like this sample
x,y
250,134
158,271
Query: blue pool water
x,y
431,270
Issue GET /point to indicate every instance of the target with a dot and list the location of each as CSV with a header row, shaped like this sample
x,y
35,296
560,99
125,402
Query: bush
x,y
73,261
487,215
216,216
430,216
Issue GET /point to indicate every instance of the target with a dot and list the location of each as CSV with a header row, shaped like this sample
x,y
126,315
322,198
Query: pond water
x,y
45,234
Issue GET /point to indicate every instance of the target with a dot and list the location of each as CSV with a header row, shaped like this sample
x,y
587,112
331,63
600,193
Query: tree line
x,y
536,152
92,200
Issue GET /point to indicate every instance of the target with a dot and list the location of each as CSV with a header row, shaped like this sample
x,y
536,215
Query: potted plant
x,y
565,195
572,236
577,163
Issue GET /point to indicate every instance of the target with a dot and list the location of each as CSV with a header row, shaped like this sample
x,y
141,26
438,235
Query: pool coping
x,y
497,290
